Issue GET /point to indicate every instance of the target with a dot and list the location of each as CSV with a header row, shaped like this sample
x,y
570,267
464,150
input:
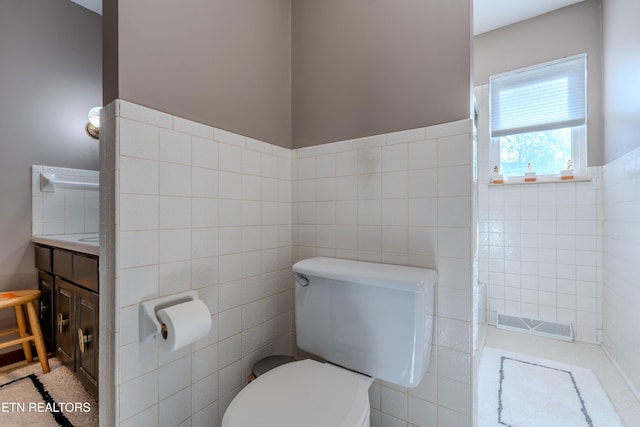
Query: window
x,y
538,117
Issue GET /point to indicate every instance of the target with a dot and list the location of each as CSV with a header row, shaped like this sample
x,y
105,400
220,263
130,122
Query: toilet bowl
x,y
303,393
376,319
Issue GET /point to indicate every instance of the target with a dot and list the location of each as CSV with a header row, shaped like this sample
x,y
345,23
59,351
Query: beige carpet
x,y
30,398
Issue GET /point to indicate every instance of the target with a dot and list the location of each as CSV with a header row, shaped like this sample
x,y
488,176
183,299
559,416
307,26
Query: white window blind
x,y
543,97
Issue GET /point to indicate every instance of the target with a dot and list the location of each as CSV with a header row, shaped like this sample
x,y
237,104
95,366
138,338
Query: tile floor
x,y
589,356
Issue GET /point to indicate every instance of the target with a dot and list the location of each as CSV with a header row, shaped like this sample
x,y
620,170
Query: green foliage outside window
x,y
547,151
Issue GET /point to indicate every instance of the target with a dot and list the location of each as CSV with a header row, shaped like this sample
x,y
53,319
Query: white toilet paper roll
x,y
186,323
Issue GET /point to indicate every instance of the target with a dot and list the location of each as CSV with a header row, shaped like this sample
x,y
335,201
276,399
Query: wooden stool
x,y
17,299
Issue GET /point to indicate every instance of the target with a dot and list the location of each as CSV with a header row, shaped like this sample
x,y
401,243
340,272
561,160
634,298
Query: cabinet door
x,y
47,313
87,320
65,319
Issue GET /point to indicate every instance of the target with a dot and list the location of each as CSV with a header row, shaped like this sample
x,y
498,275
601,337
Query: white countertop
x,y
86,243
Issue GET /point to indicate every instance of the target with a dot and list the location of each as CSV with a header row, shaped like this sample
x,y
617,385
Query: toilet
x,y
366,321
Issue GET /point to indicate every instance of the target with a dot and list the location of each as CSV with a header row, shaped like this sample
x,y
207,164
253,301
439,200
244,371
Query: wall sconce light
x,y
93,126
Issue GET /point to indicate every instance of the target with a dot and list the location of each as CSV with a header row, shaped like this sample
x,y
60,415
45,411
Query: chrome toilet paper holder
x,y
148,324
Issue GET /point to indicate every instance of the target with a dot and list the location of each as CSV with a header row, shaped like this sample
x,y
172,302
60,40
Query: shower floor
x,y
589,356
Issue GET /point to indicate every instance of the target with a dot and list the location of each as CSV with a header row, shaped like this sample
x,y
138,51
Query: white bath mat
x,y
522,391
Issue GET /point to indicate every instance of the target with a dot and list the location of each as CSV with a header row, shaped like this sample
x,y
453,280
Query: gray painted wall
x,y
365,67
50,76
293,72
621,77
224,63
568,31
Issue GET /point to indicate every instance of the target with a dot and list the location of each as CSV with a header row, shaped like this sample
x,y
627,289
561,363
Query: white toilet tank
x,y
372,318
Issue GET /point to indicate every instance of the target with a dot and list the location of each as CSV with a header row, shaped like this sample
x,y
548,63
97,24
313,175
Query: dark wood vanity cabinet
x,y
47,314
65,320
44,258
77,331
87,321
69,311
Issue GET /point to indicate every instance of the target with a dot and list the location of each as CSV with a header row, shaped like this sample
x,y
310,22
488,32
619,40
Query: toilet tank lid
x,y
368,273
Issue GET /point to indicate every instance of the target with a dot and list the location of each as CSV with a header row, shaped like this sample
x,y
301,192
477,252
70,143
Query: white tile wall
x,y
187,206
540,245
401,198
67,210
566,251
540,251
621,267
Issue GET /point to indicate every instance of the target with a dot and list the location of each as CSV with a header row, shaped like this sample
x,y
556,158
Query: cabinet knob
x,y
43,309
62,322
83,339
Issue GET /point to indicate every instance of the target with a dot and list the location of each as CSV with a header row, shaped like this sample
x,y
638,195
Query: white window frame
x,y
578,135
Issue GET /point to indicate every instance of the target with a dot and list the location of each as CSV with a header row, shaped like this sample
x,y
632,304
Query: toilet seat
x,y
303,393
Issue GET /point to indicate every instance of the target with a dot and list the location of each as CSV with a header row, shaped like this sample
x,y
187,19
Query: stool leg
x,y
22,327
37,335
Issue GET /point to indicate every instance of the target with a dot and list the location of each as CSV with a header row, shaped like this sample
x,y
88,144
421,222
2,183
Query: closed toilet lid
x,y
304,393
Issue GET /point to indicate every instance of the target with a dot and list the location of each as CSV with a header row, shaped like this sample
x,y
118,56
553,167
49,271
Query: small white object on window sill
x,y
566,174
530,175
497,177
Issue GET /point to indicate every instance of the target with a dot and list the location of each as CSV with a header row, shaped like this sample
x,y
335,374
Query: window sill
x,y
520,181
